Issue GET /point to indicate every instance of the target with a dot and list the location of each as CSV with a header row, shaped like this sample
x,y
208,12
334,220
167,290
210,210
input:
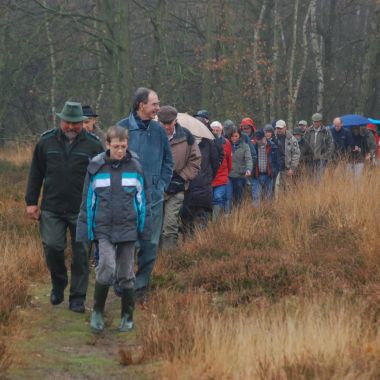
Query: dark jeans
x,y
238,185
147,249
194,218
262,187
53,229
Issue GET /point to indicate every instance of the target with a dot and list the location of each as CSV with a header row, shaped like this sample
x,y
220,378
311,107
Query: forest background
x,y
259,58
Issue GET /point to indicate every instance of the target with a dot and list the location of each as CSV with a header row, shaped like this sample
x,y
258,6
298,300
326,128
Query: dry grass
x,y
290,291
17,152
20,254
317,339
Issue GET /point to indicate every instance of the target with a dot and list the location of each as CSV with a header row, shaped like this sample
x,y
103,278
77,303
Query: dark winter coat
x,y
199,193
61,168
115,203
343,142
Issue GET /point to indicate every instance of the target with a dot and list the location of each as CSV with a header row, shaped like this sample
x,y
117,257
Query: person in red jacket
x,y
220,181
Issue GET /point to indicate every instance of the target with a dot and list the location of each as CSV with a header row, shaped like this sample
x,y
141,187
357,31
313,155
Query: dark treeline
x,y
259,58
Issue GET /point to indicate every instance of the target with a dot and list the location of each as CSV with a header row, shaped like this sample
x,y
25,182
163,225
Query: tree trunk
x,y
291,68
207,82
370,69
255,65
117,42
53,84
317,50
275,62
305,49
99,59
158,48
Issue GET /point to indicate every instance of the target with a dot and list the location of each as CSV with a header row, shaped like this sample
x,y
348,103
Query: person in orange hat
x,y
248,126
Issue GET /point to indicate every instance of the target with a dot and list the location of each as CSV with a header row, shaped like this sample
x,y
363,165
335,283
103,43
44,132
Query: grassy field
x,y
290,291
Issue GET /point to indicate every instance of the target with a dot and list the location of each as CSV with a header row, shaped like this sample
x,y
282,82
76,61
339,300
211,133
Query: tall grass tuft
x,y
20,254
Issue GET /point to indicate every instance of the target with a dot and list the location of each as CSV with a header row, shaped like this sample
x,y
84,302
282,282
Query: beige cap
x,y
280,124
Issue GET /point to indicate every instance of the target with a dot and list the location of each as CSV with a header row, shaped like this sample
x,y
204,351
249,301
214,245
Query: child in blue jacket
x,y
115,211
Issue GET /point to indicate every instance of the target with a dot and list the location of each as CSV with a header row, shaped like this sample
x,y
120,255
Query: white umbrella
x,y
196,127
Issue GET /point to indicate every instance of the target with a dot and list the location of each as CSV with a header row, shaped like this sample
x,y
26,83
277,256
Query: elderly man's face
x,y
89,124
169,127
337,124
317,124
70,129
148,110
217,130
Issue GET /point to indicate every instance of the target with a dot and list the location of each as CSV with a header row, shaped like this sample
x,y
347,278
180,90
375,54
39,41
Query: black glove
x,y
176,185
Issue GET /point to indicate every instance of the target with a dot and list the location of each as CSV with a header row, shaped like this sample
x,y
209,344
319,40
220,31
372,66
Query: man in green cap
x,y
59,165
321,142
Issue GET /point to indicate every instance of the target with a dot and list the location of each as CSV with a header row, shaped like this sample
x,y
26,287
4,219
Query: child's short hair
x,y
116,132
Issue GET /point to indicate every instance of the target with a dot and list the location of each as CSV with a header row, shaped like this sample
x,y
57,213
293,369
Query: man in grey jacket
x,y
289,153
321,142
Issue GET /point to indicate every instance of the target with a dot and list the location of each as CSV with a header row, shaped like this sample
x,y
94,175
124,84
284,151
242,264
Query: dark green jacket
x,y
61,169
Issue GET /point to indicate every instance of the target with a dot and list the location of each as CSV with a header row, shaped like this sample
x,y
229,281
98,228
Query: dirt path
x,y
55,343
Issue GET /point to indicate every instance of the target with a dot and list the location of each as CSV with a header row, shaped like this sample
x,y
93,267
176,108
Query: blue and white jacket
x,y
115,202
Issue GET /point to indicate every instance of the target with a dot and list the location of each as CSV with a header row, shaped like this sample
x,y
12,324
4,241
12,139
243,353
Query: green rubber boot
x,y
127,307
100,296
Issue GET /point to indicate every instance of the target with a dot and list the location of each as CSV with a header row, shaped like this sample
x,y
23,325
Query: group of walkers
x,y
134,188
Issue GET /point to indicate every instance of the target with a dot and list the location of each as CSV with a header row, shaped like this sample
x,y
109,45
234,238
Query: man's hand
x,y
33,212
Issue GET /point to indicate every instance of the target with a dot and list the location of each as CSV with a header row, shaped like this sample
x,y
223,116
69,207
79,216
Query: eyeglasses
x,y
119,147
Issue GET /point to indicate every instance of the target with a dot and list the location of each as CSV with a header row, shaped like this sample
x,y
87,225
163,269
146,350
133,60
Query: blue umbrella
x,y
374,121
353,120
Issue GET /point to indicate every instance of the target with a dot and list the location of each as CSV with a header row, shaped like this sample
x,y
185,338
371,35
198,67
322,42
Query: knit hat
x,y
268,128
259,134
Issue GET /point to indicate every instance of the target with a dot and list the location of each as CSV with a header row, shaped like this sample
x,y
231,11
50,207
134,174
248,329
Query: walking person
x,y
343,141
220,182
149,141
289,155
197,205
322,144
241,165
115,211
265,170
187,163
59,166
364,148
306,153
90,124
